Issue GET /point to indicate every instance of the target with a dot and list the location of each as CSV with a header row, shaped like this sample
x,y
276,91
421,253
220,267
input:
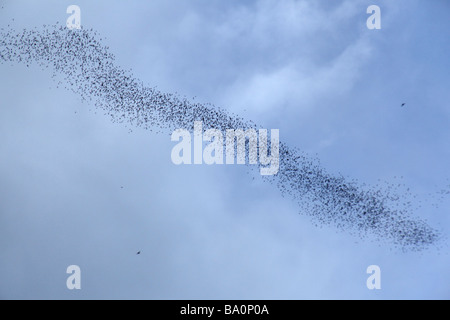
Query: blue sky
x,y
312,69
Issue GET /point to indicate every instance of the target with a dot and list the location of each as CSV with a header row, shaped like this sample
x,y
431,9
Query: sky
x,y
78,189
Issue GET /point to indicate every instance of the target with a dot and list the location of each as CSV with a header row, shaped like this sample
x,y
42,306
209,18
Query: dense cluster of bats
x,y
82,64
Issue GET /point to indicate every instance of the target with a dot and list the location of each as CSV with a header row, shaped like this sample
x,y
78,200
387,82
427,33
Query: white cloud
x,y
298,86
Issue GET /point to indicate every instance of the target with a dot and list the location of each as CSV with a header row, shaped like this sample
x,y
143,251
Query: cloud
x,y
298,85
